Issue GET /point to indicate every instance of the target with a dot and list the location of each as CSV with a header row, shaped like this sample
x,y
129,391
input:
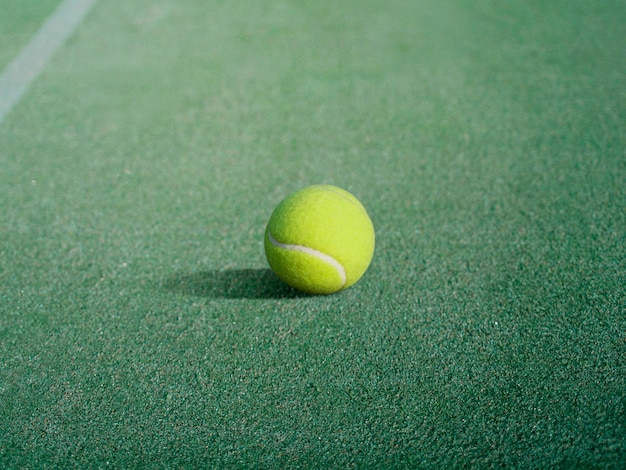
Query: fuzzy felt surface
x,y
320,239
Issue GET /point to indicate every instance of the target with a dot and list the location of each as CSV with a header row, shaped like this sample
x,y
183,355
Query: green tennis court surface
x,y
19,20
140,325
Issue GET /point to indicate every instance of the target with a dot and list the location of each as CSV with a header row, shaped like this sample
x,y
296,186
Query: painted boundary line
x,y
17,77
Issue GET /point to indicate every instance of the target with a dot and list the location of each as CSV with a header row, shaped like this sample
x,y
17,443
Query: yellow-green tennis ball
x,y
319,240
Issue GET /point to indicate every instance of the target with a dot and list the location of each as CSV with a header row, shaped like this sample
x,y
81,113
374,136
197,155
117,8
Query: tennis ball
x,y
319,239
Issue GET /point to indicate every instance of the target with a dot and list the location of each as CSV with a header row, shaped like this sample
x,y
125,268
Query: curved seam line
x,y
310,251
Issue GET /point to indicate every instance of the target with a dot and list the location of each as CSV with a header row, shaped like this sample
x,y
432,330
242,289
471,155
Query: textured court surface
x,y
139,324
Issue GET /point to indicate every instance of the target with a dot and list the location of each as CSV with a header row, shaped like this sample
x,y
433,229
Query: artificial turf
x,y
140,325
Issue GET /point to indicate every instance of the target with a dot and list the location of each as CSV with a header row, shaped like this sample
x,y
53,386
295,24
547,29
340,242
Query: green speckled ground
x,y
140,326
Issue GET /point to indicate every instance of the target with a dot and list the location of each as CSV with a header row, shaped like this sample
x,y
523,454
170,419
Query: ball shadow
x,y
231,284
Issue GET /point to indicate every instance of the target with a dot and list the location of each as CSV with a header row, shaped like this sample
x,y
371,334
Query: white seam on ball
x,y
310,251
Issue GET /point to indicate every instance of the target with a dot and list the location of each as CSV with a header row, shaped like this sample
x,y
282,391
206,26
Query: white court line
x,y
33,58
